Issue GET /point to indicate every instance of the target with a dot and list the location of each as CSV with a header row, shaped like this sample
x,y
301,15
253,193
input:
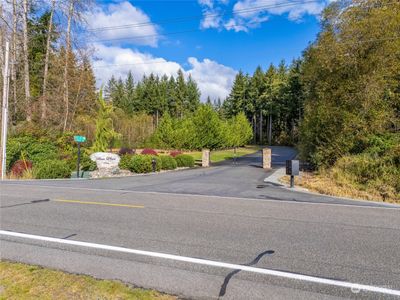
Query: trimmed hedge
x,y
184,160
54,168
125,161
168,162
140,163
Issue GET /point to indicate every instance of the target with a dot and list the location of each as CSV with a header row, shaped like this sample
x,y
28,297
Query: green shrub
x,y
143,163
34,149
40,151
168,162
184,160
125,161
48,169
86,164
369,172
66,144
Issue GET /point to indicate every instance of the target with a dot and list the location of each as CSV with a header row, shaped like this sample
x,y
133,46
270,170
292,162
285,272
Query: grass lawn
x,y
220,155
20,281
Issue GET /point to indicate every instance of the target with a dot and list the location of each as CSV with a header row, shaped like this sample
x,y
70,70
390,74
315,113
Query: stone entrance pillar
x,y
205,160
266,158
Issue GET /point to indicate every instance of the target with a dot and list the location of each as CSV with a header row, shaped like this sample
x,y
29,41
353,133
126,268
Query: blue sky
x,y
209,39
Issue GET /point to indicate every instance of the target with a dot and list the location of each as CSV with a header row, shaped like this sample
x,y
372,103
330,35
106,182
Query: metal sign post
x,y
4,115
79,139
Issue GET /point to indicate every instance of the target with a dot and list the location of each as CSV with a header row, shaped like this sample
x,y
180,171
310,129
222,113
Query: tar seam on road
x,y
98,203
388,206
282,274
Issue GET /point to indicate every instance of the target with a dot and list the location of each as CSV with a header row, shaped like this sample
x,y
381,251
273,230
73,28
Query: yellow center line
x,y
98,203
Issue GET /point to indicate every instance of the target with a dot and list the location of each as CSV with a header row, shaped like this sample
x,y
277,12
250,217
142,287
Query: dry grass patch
x,y
328,183
20,281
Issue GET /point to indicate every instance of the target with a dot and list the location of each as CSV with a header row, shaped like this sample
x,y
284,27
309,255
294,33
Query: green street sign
x,y
79,138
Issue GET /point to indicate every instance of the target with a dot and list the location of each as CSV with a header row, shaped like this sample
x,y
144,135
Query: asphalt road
x,y
229,239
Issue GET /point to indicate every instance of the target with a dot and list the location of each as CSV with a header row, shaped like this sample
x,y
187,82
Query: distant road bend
x,y
219,233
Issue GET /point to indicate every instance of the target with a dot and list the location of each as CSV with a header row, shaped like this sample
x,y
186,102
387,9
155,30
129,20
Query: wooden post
x,y
266,158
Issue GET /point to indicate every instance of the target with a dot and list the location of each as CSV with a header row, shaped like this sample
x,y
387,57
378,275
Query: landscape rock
x,y
105,160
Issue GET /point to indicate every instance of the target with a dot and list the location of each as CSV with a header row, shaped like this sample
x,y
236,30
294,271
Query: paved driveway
x,y
245,179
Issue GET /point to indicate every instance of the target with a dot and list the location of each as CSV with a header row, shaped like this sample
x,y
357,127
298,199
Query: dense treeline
x,y
351,81
272,101
351,84
154,95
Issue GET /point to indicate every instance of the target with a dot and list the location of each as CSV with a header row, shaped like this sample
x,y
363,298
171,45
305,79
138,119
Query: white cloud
x,y
121,14
116,61
252,9
247,14
212,17
213,79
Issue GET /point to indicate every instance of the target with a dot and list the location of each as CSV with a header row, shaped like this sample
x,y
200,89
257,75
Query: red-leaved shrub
x,y
149,151
175,153
124,151
20,166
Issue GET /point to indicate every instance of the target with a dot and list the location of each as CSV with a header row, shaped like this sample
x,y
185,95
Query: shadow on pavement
x,y
234,272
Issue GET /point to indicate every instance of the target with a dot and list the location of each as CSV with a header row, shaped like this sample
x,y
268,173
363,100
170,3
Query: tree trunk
x,y
67,51
261,127
28,105
76,100
270,130
14,60
254,129
46,64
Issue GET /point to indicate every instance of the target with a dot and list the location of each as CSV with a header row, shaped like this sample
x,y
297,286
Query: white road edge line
x,y
353,286
387,205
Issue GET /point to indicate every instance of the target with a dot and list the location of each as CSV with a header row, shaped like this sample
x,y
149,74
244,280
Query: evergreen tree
x,y
193,95
128,103
105,133
208,128
180,94
235,102
171,97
